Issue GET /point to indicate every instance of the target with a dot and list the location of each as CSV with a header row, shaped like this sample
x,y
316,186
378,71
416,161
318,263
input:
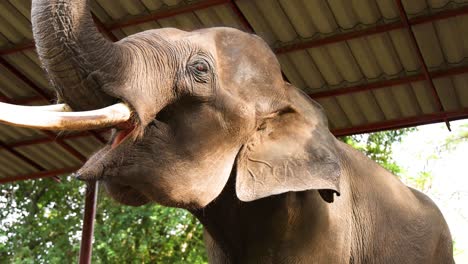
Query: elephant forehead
x,y
204,39
246,57
166,33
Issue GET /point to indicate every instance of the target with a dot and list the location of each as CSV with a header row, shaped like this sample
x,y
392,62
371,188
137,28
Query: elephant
x,y
216,130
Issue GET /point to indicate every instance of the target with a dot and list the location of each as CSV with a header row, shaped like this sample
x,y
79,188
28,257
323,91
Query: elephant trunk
x,y
77,58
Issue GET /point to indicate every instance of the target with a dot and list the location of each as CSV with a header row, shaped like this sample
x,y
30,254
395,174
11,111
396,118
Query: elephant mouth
x,y
124,131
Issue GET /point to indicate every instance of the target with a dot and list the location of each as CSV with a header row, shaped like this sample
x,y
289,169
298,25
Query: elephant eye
x,y
200,66
199,70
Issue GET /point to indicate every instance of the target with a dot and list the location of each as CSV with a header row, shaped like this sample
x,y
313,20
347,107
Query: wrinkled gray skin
x,y
221,134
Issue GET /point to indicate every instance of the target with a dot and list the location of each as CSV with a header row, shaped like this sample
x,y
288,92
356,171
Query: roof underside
x,y
370,65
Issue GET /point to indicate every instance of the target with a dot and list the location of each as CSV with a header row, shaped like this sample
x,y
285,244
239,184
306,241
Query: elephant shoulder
x,y
427,207
427,211
443,247
424,201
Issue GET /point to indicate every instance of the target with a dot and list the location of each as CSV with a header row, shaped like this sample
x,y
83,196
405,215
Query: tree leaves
x,y
39,220
41,223
378,146
146,234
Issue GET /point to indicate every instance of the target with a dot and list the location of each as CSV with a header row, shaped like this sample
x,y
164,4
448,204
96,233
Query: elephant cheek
x,y
125,194
190,184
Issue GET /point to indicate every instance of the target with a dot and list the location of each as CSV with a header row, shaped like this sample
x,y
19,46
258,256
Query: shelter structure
x,y
372,64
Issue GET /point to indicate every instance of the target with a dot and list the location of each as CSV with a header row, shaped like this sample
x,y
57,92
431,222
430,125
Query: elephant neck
x,y
266,230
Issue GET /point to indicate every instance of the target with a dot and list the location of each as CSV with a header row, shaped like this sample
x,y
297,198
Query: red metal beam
x,y
22,157
339,38
450,72
235,8
402,123
367,87
459,11
18,48
170,12
38,175
25,79
388,83
65,146
422,62
86,247
371,30
47,139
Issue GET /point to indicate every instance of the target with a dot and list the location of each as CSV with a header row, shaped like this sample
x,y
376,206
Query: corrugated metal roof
x,y
356,58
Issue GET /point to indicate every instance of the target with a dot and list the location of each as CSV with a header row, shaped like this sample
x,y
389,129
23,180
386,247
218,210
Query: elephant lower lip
x,y
125,130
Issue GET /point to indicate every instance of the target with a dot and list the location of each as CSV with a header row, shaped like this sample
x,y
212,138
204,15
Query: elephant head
x,y
206,105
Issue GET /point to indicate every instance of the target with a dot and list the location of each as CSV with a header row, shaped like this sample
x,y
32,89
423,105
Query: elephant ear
x,y
292,150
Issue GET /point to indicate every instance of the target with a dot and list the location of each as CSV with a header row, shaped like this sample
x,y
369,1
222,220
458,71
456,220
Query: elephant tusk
x,y
59,117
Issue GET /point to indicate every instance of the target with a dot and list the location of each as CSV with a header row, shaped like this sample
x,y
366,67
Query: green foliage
x,y
146,234
378,146
422,181
40,222
439,148
456,250
452,141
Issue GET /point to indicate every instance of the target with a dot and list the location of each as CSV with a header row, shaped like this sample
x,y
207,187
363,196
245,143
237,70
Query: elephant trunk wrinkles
x,y
76,57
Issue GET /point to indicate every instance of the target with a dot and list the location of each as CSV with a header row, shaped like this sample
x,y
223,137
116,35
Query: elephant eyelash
x,y
200,79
